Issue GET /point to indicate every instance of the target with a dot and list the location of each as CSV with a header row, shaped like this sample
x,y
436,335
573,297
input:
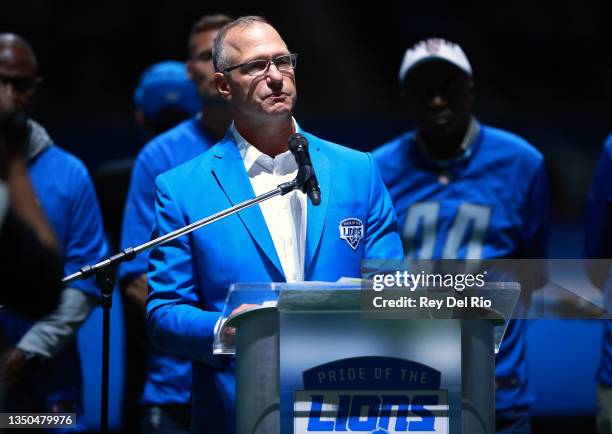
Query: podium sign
x,y
310,361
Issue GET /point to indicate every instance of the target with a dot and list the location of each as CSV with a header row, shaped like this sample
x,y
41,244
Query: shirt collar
x,y
38,139
252,157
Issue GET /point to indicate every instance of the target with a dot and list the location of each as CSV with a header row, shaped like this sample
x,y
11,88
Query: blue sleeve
x,y
537,216
382,237
85,242
598,237
138,217
175,320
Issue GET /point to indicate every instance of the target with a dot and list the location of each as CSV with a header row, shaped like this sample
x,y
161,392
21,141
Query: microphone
x,y
306,178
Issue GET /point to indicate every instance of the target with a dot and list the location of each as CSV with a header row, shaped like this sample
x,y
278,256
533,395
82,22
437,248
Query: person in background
x,y
449,182
164,97
167,386
598,246
28,246
42,370
29,249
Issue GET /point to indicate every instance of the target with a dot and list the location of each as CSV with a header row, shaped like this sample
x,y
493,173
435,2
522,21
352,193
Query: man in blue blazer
x,y
283,239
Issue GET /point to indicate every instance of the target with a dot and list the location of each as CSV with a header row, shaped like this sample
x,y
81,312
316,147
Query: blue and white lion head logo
x,y
351,230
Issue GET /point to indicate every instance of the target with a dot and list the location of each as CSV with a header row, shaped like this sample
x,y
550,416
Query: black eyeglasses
x,y
258,67
20,83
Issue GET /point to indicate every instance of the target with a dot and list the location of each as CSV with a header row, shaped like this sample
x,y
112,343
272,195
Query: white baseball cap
x,y
434,49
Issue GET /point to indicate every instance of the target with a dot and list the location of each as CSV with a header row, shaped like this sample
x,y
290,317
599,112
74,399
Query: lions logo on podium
x,y
351,230
371,395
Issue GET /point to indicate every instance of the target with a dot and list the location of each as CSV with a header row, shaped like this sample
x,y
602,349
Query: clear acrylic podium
x,y
310,359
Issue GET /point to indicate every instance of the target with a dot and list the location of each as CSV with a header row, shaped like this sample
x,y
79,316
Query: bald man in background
x,y
26,239
42,367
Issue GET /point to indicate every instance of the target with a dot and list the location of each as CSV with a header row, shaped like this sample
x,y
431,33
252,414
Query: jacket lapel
x,y
228,168
316,214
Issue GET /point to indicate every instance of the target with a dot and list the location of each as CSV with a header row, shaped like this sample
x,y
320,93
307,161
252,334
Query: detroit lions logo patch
x,y
351,230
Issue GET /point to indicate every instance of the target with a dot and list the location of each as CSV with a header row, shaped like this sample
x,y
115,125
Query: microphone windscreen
x,y
296,141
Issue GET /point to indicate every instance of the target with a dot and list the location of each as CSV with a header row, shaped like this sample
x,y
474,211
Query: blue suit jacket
x,y
189,277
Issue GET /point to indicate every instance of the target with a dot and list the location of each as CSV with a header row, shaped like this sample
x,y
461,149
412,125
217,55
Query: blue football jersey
x,y
169,377
490,202
598,243
65,192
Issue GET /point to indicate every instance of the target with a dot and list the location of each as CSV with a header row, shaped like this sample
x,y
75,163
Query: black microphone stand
x,y
105,271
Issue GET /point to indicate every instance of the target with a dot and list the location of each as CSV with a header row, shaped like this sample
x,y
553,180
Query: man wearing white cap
x,y
463,190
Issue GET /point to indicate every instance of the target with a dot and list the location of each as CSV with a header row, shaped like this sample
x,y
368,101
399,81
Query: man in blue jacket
x,y
283,239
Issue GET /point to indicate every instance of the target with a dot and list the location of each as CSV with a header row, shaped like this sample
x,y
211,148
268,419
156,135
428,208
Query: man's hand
x,y
228,334
16,367
7,102
136,291
7,108
13,131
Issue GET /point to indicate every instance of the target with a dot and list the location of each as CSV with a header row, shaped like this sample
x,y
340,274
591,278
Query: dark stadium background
x,y
544,73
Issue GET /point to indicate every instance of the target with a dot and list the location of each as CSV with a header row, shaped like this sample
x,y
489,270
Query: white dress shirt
x,y
285,215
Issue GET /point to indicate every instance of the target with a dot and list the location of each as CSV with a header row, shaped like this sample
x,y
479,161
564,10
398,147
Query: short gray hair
x,y
220,60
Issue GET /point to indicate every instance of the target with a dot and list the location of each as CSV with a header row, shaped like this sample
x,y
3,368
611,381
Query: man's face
x,y
18,71
441,97
271,94
200,65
